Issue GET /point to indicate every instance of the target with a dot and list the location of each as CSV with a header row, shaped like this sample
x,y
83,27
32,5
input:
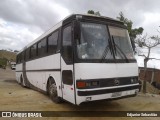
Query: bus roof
x,y
70,17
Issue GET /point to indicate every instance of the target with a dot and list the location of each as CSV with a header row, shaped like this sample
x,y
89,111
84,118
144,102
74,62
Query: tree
x,y
149,43
94,13
133,33
97,13
90,12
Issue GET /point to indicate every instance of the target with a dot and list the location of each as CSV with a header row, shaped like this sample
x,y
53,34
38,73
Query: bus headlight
x,y
81,84
134,80
92,83
87,84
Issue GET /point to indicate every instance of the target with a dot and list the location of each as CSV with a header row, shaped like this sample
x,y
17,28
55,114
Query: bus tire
x,y
52,91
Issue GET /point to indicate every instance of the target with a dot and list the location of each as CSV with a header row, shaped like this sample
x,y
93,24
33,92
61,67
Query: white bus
x,y
82,58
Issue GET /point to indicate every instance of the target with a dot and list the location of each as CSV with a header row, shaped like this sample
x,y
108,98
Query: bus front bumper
x,y
108,93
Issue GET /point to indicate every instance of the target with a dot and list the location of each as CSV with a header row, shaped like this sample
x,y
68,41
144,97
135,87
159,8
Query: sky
x,y
22,21
152,63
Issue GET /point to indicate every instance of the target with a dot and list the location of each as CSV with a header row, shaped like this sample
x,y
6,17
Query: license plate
x,y
116,94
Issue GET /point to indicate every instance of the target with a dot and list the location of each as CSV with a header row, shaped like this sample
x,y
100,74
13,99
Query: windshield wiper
x,y
116,46
105,53
106,50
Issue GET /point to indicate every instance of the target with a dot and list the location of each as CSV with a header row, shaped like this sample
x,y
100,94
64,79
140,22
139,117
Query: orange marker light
x,y
81,84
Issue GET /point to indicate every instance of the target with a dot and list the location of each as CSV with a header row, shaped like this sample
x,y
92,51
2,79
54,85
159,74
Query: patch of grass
x,y
6,56
11,56
3,62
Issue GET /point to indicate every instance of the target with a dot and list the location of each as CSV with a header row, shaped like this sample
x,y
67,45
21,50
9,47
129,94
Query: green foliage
x,y
3,62
94,13
11,56
90,12
132,32
135,32
127,22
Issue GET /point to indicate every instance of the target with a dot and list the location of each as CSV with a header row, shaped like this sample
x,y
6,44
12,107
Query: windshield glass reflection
x,y
93,42
121,42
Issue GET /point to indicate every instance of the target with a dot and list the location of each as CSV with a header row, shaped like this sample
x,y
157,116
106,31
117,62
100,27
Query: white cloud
x,y
151,23
61,11
152,63
21,25
23,20
15,36
151,18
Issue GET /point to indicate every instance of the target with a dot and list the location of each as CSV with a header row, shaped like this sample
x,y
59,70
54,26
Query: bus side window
x,y
42,47
67,77
67,45
16,59
52,42
33,51
39,49
19,60
27,54
22,56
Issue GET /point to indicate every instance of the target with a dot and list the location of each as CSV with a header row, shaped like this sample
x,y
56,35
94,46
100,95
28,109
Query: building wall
x,y
157,76
151,75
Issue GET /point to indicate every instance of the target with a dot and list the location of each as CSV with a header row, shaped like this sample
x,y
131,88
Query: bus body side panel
x,y
18,72
39,70
98,71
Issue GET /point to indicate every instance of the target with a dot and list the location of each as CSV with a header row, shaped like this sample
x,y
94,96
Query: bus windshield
x,y
95,42
121,42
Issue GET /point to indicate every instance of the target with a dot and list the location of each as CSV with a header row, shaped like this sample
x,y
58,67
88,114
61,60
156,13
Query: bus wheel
x,y
52,90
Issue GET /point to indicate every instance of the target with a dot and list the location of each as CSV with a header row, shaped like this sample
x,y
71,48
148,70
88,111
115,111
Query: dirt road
x,y
13,97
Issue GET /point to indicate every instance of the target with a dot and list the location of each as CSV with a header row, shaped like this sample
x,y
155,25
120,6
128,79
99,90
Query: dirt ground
x,y
13,97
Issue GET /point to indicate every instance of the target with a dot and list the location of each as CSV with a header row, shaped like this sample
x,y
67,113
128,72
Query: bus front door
x,y
67,65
